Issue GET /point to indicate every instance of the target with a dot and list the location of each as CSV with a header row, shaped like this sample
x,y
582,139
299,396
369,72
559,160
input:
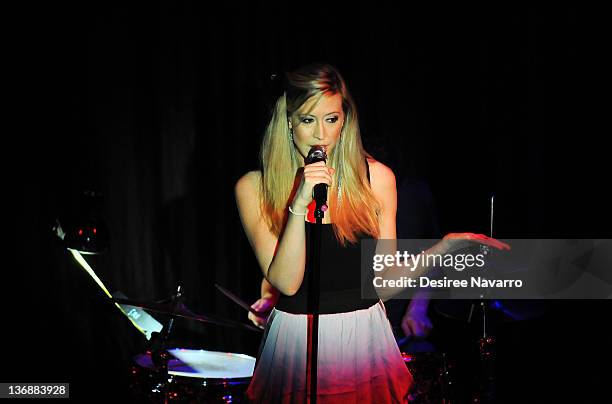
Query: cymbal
x,y
182,311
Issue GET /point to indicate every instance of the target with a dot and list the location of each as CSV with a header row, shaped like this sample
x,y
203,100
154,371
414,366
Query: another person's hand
x,y
456,241
264,306
415,323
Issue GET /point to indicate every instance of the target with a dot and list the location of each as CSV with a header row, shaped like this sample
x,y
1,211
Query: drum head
x,y
204,364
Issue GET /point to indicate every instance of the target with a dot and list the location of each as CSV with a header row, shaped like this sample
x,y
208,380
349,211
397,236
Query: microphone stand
x,y
313,298
316,154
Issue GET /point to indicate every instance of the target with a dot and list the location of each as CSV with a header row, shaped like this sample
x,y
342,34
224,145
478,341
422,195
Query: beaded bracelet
x,y
296,213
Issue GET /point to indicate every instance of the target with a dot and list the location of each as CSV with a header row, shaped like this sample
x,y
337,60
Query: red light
x,y
80,232
94,230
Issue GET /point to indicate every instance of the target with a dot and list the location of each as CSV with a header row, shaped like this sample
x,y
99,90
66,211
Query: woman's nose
x,y
320,131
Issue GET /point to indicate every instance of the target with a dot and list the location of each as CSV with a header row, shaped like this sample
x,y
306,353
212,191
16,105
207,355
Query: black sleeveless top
x,y
340,277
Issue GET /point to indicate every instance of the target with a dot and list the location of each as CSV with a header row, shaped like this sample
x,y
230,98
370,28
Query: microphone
x,y
316,154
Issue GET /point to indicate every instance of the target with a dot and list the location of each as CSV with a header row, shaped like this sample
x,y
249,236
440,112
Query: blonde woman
x,y
358,358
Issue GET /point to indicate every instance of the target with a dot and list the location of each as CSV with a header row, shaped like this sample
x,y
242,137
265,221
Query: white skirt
x,y
359,361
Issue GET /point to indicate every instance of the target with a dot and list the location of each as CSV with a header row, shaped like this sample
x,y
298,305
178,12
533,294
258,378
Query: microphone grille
x,y
316,153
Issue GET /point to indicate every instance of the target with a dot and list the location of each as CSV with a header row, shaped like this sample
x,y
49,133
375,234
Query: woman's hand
x,y
313,174
263,306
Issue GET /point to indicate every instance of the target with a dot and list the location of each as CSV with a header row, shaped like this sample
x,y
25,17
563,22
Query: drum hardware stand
x,y
446,384
486,350
159,352
486,343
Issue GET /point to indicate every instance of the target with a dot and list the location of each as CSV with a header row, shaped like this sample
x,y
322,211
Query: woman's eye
x,y
307,120
333,119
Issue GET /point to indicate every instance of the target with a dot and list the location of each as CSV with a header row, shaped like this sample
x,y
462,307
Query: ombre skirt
x,y
358,360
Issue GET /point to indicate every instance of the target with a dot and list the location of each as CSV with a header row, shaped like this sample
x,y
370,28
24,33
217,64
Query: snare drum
x,y
194,376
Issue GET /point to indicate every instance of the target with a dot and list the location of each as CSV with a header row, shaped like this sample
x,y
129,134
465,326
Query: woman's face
x,y
320,126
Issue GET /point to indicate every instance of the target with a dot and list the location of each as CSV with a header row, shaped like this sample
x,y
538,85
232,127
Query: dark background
x,y
160,107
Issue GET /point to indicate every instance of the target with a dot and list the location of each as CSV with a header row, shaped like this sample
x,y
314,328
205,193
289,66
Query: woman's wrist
x,y
298,209
270,296
297,212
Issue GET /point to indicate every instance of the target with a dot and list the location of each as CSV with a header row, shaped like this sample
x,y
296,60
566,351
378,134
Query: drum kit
x,y
172,374
436,376
165,374
192,376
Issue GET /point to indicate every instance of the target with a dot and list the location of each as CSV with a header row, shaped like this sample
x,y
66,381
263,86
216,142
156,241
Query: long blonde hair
x,y
352,203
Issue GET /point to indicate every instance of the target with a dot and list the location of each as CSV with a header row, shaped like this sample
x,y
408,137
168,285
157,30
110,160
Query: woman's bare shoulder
x,y
248,184
380,174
